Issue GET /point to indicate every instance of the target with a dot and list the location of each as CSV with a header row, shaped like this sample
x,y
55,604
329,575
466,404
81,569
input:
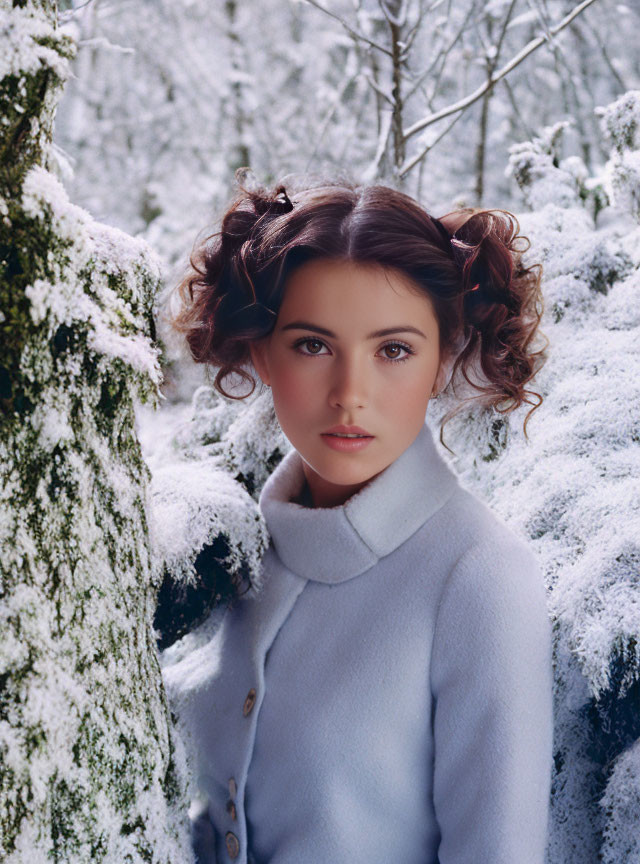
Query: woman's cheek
x,y
295,385
415,384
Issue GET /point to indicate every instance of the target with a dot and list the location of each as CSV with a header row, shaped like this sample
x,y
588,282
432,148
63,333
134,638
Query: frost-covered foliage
x,y
208,532
90,767
543,176
208,468
621,124
573,489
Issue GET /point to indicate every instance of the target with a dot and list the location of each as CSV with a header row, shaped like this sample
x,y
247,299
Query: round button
x,y
233,846
249,702
231,810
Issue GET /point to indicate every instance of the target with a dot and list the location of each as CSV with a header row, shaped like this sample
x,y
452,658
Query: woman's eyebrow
x,y
306,325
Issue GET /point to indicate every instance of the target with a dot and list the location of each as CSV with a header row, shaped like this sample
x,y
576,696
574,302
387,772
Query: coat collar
x,y
333,544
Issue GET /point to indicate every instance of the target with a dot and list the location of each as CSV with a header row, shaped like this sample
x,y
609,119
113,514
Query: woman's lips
x,y
346,445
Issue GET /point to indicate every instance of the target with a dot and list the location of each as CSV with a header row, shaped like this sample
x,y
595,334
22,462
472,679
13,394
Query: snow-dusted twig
x,y
464,103
385,128
355,34
103,42
378,89
398,20
440,57
350,76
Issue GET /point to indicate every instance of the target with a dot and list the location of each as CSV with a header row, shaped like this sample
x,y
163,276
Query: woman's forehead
x,y
343,295
326,277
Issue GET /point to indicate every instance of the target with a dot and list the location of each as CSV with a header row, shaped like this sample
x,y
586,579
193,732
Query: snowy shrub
x,y
209,535
572,490
621,125
545,178
535,167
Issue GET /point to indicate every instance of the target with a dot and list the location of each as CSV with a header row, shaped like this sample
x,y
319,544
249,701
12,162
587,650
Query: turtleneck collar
x,y
333,544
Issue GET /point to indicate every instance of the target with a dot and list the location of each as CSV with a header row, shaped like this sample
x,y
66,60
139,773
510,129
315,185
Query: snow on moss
x,y
195,502
29,42
91,769
206,480
33,65
118,269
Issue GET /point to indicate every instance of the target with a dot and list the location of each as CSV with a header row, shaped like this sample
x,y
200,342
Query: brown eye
x,y
302,347
397,346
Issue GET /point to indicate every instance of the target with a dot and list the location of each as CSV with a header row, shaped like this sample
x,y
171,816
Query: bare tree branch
x,y
355,34
528,49
411,163
440,58
350,76
415,28
372,169
375,86
492,58
528,130
398,20
603,50
505,24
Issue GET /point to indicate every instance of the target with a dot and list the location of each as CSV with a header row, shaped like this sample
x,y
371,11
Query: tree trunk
x,y
90,767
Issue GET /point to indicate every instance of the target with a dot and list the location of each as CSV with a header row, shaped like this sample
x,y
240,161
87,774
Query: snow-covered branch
x,y
515,61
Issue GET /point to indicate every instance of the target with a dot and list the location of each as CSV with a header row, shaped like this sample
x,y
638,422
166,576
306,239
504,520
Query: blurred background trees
x,y
168,99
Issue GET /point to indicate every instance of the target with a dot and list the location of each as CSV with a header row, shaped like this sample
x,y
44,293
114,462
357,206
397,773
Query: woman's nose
x,y
349,385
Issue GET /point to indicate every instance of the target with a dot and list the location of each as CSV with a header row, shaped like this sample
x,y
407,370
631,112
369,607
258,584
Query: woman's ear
x,y
257,349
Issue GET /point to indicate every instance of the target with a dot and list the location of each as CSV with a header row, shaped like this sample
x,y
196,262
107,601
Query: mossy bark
x,y
90,767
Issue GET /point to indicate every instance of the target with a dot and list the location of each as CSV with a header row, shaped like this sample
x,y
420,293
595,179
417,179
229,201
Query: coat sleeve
x,y
492,686
203,835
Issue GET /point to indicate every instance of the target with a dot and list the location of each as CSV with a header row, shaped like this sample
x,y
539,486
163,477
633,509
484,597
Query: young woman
x,y
387,694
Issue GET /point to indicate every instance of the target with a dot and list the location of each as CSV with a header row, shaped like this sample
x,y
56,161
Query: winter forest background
x,y
129,488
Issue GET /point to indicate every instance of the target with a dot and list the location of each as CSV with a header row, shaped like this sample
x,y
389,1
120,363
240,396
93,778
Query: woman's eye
x,y
313,348
314,342
397,347
396,351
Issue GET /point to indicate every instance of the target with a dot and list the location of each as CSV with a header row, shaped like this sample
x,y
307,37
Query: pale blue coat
x,y
400,655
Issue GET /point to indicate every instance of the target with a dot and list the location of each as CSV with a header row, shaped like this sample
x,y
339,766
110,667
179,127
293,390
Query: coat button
x,y
231,809
233,789
233,846
249,702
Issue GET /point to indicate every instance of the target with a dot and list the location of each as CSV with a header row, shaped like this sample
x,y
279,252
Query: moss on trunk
x,y
90,767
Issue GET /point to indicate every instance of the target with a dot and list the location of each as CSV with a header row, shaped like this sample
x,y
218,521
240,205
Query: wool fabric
x,y
387,694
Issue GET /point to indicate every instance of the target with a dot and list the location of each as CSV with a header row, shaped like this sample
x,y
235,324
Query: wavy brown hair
x,y
468,263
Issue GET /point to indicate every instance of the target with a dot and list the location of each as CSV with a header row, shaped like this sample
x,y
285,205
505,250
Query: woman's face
x,y
327,365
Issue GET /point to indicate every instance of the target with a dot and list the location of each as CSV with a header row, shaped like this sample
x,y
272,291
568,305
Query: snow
x,y
199,474
85,734
571,489
90,248
24,33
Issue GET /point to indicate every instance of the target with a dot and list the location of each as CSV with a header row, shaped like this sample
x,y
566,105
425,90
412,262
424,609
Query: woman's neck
x,y
304,497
